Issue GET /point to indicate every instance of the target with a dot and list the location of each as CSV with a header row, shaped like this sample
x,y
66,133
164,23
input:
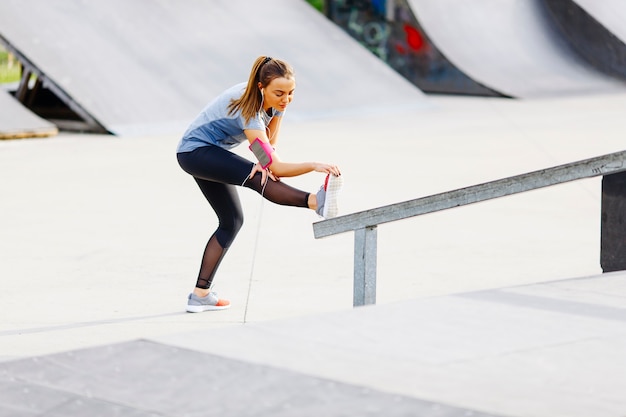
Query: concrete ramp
x,y
508,45
610,13
146,66
143,379
595,30
552,349
17,122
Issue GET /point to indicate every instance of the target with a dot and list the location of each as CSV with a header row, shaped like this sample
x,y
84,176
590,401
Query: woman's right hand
x,y
327,169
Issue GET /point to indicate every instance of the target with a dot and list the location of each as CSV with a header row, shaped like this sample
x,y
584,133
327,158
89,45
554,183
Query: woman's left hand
x,y
264,173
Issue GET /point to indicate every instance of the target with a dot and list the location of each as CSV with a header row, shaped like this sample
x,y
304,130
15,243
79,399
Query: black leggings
x,y
217,172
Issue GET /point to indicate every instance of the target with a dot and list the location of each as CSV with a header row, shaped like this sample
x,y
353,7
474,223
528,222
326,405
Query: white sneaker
x,y
327,206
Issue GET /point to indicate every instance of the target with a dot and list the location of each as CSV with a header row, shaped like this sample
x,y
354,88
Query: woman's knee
x,y
227,231
237,223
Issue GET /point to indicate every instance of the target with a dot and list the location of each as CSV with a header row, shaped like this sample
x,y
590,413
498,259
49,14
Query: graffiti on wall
x,y
389,30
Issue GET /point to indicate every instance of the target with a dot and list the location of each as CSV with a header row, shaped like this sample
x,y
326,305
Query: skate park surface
x,y
498,308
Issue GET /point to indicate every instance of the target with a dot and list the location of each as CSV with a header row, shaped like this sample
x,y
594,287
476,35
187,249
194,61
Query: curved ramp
x,y
595,30
142,66
610,13
17,122
390,31
508,46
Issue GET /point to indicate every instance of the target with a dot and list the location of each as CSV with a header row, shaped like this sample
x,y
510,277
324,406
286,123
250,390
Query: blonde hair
x,y
264,70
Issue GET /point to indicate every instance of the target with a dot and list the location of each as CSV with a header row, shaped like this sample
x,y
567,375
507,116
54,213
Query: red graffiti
x,y
414,38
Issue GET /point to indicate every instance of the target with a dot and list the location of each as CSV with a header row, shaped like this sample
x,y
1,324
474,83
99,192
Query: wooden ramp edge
x,y
17,122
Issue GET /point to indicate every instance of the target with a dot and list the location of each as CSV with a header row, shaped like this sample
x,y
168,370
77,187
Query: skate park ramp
x,y
508,45
610,13
145,66
595,30
17,122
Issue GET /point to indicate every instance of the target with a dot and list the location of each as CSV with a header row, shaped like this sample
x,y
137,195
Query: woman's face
x,y
278,93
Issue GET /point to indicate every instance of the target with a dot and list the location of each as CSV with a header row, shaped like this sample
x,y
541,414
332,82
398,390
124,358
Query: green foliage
x,y
318,4
10,68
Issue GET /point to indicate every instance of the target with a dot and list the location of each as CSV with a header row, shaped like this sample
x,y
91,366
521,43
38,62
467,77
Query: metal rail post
x,y
365,254
613,223
613,252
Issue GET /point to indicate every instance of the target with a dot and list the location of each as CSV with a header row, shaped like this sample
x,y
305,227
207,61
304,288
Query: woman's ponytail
x,y
264,70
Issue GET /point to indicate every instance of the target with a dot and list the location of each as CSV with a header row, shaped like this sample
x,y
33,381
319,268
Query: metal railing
x,y
364,223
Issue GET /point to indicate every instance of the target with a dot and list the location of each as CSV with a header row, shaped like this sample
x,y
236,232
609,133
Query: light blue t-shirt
x,y
214,126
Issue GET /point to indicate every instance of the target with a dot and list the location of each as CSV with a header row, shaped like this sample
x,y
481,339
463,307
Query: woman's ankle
x,y
201,292
312,201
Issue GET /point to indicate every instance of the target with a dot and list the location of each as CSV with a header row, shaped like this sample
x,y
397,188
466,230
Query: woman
x,y
246,111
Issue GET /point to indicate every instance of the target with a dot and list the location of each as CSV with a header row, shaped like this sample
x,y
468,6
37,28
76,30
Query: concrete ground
x,y
497,308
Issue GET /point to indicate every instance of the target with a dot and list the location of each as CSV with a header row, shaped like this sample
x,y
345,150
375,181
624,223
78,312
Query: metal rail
x,y
364,223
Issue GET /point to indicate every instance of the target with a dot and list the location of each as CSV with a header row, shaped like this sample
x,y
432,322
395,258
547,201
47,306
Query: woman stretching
x,y
246,112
